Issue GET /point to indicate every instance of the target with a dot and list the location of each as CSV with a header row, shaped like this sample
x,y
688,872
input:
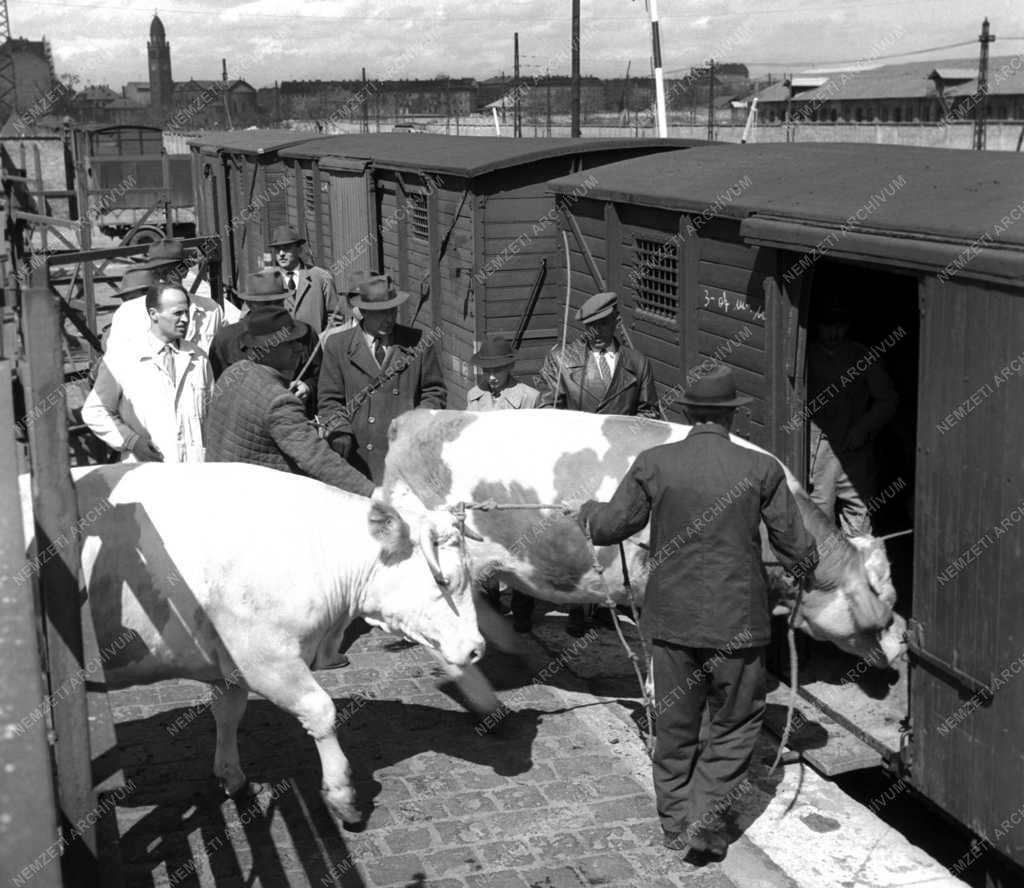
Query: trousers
x,y
695,786
846,481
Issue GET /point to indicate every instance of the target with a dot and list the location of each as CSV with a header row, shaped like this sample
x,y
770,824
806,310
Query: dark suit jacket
x,y
253,418
356,397
705,497
631,391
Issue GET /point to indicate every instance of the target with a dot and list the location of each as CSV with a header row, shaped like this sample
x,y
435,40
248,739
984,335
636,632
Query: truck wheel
x,y
148,234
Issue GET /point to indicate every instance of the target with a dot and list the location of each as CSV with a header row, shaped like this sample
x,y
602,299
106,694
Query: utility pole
x,y
981,106
8,90
711,100
574,99
659,79
366,106
789,107
547,78
517,114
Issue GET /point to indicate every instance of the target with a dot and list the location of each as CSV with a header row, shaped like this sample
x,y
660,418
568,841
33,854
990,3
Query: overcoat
x,y
630,392
315,298
705,497
356,397
254,418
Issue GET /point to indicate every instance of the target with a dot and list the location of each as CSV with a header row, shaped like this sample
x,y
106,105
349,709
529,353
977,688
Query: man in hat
x,y
151,392
497,389
597,374
254,417
166,260
706,606
372,373
312,296
134,282
850,398
265,292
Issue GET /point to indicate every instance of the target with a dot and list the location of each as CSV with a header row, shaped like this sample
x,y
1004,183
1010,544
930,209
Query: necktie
x,y
291,280
378,351
168,357
603,369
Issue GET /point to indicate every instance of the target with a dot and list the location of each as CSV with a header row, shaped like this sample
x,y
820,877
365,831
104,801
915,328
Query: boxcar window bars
x,y
419,221
656,278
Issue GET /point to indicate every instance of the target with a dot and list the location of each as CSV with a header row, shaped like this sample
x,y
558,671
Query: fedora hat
x,y
164,252
714,387
598,306
377,293
270,327
264,286
496,351
136,280
285,235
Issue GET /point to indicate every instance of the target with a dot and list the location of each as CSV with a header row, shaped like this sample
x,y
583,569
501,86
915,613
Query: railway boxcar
x,y
240,193
465,224
729,253
129,176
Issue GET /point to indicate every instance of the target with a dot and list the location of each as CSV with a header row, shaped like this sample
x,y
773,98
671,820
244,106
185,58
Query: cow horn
x,y
471,534
428,543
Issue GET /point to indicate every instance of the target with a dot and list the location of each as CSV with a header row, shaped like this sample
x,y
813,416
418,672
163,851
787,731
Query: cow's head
x,y
421,586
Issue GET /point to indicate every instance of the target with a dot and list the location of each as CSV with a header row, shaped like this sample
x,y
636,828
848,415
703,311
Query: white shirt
x,y
610,357
133,396
131,322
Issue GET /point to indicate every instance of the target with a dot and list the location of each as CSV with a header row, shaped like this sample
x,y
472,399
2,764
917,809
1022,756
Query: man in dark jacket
x,y
253,417
312,297
597,374
372,373
706,606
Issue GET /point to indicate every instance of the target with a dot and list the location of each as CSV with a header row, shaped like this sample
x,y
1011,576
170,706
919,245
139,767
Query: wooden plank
x,y
748,309
56,523
725,253
26,792
731,351
727,277
730,327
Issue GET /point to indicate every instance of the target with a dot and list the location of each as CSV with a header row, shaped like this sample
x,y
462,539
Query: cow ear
x,y
390,532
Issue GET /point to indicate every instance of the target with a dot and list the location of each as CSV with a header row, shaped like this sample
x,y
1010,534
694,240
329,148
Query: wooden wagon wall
x,y
689,290
970,555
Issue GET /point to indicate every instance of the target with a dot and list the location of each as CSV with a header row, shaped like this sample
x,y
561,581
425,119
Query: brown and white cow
x,y
246,578
440,458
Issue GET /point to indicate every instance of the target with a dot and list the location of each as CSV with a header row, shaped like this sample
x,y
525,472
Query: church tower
x,y
161,86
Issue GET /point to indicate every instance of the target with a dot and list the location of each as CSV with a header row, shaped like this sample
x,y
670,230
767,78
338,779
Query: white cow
x,y
246,577
559,456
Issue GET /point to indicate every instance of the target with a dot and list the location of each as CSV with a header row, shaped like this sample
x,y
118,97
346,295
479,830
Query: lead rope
x,y
645,695
794,678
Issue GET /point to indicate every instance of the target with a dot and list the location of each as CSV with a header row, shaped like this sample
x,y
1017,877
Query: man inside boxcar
x,y
706,607
166,259
598,374
312,297
497,389
372,373
850,398
151,392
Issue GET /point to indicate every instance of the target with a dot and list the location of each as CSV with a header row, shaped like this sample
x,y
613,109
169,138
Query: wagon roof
x,y
467,156
945,193
249,141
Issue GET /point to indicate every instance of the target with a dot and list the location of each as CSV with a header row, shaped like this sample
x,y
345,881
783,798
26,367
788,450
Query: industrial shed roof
x,y
944,194
467,156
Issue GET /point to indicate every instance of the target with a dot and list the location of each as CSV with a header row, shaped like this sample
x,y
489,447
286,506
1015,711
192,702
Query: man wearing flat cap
x,y
372,373
166,259
254,417
706,606
597,374
312,297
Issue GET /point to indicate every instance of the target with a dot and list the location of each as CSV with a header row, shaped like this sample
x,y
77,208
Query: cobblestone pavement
x,y
558,797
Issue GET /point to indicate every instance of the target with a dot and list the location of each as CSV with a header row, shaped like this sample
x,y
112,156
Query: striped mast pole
x,y
659,77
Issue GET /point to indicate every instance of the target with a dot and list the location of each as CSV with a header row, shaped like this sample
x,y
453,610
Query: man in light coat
x,y
372,373
312,297
151,392
166,260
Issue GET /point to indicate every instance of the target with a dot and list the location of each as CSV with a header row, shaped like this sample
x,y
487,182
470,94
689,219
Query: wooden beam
x,y
26,792
56,523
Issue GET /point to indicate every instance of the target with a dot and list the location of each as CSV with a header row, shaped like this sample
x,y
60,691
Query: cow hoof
x,y
342,804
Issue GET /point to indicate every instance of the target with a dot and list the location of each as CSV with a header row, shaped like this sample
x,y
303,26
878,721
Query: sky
x,y
268,40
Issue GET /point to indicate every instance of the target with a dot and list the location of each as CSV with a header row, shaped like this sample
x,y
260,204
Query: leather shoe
x,y
675,841
707,846
576,625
